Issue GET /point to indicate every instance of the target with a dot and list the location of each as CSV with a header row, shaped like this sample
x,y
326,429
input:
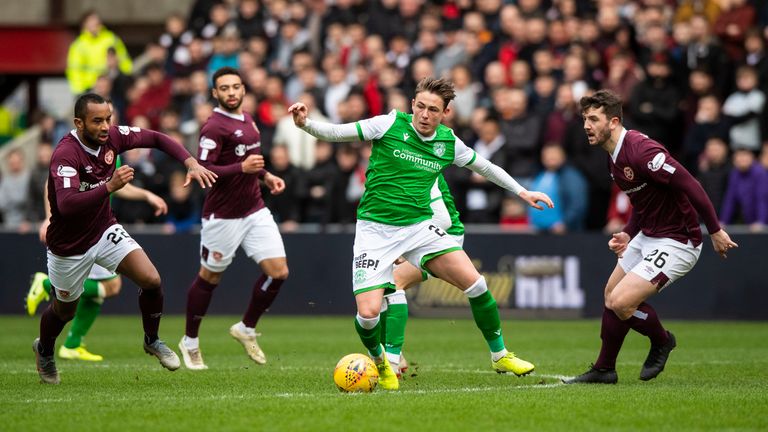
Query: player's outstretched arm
x,y
202,175
497,175
324,131
195,171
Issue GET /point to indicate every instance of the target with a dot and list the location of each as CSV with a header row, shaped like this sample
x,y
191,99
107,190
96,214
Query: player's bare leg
x,y
137,267
52,322
264,292
456,268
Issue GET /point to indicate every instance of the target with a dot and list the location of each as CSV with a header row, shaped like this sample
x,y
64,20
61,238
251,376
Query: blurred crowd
x,y
693,75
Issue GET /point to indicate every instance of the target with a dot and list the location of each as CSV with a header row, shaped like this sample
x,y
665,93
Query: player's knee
x,y
213,278
278,273
621,309
112,287
368,311
65,311
151,282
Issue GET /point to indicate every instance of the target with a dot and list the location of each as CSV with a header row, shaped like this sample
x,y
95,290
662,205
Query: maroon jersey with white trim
x,y
643,169
77,169
226,139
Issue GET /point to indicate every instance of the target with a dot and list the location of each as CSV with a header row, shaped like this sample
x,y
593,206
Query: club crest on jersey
x,y
240,149
109,157
657,162
439,148
628,173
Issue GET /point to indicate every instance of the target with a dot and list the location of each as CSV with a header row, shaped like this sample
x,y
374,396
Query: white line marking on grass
x,y
433,391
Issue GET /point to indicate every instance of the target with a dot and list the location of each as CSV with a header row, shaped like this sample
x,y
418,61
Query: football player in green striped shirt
x,y
395,219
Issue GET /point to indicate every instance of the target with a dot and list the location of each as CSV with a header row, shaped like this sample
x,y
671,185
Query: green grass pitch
x,y
716,379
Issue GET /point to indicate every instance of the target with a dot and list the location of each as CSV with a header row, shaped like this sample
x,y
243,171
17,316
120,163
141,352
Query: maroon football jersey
x,y
642,168
225,141
77,191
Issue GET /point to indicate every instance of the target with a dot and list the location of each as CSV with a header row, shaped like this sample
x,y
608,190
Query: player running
x,y
395,219
234,215
101,283
83,230
660,243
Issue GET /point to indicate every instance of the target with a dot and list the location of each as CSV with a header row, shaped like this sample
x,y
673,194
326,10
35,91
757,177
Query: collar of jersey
x,y
422,137
240,117
616,151
85,147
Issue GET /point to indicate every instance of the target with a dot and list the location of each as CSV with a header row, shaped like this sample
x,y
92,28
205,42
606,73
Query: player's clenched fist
x,y
300,112
252,164
120,178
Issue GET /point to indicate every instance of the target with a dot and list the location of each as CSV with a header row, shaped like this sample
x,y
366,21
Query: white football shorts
x,y
377,246
257,233
99,273
68,273
659,260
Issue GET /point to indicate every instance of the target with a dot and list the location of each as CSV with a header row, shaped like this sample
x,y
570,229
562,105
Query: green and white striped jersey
x,y
404,166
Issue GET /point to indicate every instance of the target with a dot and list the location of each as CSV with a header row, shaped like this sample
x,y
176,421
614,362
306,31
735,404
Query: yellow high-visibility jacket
x,y
87,58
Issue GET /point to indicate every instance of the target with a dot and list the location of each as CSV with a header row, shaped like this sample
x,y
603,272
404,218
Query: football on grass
x,y
356,373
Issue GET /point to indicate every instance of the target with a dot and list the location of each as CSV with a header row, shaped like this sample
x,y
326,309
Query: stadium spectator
x,y
38,177
318,184
746,198
183,205
708,124
250,18
226,48
705,51
654,104
152,98
175,38
483,199
300,146
343,200
731,26
566,187
286,206
714,168
743,109
522,132
14,191
87,56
